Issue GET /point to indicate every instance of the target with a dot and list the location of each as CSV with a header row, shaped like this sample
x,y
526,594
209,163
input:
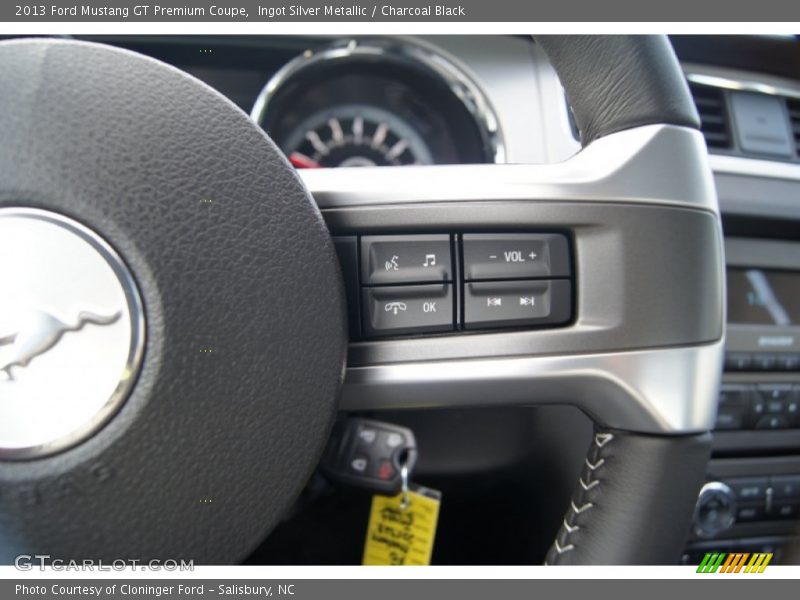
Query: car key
x,y
368,454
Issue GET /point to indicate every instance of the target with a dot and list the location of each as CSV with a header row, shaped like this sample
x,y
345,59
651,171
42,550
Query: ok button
x,y
395,310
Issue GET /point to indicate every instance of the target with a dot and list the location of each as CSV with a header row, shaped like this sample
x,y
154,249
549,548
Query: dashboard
x,y
376,103
347,102
329,102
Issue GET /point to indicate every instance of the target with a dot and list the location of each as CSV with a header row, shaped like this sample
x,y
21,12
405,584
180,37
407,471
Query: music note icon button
x,y
393,259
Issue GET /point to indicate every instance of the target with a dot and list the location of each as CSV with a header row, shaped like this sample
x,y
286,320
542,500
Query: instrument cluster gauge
x,y
377,103
355,136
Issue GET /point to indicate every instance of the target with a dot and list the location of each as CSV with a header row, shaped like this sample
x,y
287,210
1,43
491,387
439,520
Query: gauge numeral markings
x,y
352,139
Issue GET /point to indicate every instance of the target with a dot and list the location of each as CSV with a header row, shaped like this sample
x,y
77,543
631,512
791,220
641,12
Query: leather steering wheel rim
x,y
635,497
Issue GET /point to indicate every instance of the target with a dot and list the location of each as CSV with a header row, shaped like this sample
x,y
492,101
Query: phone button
x,y
408,309
390,259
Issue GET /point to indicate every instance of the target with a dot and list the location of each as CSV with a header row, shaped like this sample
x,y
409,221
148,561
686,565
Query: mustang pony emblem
x,y
38,332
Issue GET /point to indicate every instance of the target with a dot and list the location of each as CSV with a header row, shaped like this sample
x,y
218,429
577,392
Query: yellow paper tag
x,y
402,536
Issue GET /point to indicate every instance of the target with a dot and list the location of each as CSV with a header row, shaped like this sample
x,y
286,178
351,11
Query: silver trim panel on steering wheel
x,y
657,390
645,351
626,167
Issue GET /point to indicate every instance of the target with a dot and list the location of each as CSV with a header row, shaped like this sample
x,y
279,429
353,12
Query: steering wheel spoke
x,y
644,349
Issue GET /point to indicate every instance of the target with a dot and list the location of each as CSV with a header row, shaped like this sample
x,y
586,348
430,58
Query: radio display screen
x,y
761,297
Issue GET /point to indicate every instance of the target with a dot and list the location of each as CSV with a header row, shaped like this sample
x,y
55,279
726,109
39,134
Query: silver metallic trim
x,y
463,87
741,165
762,253
754,167
742,85
666,390
659,390
624,167
135,355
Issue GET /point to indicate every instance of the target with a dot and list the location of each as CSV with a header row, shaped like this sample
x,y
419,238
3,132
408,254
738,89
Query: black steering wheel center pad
x,y
243,299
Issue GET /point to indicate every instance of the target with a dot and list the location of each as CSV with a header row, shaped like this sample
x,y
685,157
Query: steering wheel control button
x,y
71,333
516,303
515,256
408,309
715,511
395,277
372,462
394,259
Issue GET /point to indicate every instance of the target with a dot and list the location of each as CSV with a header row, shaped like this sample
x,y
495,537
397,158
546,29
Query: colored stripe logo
x,y
736,562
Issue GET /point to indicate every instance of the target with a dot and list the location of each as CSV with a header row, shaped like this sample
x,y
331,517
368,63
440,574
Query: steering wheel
x,y
177,350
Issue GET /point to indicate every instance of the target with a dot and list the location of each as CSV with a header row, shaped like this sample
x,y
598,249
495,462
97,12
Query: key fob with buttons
x,y
370,455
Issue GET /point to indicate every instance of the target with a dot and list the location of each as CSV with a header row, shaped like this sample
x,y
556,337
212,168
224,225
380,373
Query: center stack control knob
x,y
715,511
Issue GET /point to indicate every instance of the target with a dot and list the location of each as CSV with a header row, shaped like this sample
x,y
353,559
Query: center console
x,y
751,501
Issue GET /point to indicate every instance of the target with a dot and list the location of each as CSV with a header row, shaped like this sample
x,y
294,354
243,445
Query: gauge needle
x,y
301,161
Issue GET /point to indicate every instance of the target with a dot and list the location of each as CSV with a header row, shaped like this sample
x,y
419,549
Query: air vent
x,y
794,116
710,102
